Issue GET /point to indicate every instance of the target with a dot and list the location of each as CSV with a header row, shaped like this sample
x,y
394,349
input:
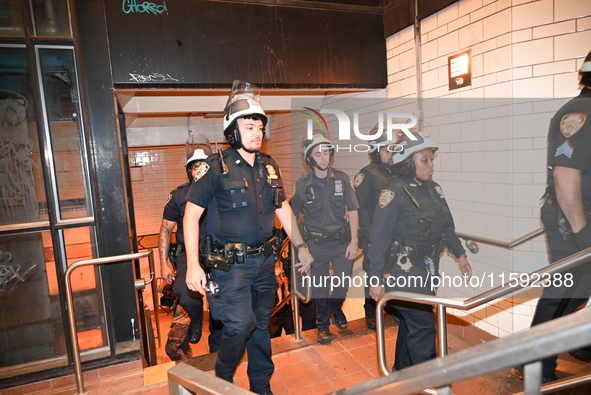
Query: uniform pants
x,y
191,301
558,301
416,333
244,304
326,301
370,305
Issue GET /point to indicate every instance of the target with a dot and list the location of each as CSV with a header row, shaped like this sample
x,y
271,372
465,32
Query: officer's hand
x,y
377,292
166,273
305,259
196,279
352,251
465,267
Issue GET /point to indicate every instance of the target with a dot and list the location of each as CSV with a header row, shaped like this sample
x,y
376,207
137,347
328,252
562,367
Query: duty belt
x,y
230,249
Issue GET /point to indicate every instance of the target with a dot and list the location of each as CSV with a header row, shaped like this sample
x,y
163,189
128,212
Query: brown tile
x,y
291,357
322,350
352,379
358,341
366,356
337,365
161,389
135,366
40,387
468,387
277,385
321,388
300,375
120,385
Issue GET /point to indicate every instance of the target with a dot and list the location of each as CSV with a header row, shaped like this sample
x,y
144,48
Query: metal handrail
x,y
294,294
510,245
70,304
564,264
550,338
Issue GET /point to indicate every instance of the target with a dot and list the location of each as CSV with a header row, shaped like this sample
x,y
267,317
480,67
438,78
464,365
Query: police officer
x,y
242,190
325,198
412,225
174,210
566,212
368,184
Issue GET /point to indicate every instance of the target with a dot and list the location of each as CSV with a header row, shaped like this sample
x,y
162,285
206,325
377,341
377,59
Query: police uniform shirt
x,y
240,203
393,201
324,206
569,139
174,209
368,184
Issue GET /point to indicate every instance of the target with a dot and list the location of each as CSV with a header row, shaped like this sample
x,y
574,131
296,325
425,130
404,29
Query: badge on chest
x,y
338,187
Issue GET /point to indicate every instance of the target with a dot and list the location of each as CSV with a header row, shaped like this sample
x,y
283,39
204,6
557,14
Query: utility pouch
x,y
304,231
317,238
235,252
344,234
216,261
392,255
270,247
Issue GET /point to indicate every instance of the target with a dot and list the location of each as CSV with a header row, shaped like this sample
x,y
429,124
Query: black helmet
x,y
309,144
585,71
243,102
403,163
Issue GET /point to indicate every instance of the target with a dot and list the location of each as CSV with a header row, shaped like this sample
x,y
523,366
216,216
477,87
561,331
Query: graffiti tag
x,y
154,77
130,6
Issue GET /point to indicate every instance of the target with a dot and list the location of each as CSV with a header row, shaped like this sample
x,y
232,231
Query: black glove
x,y
582,238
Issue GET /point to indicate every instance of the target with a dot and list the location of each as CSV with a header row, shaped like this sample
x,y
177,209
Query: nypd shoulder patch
x,y
386,197
571,123
201,170
358,180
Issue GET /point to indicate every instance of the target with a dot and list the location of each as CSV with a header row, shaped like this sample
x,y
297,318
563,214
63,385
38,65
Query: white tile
x,y
483,12
429,23
554,29
532,14
448,44
535,125
527,195
584,23
499,161
459,23
497,59
521,35
429,51
529,161
566,85
467,6
540,87
435,33
565,66
499,194
497,24
567,9
533,52
570,46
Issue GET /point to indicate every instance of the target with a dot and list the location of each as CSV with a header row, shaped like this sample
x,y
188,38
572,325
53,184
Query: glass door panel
x,y
60,92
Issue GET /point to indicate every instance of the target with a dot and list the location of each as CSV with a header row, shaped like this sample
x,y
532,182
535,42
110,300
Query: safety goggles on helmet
x,y
244,99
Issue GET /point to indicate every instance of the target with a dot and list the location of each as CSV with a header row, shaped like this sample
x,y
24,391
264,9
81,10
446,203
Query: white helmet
x,y
317,139
198,154
409,147
244,99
